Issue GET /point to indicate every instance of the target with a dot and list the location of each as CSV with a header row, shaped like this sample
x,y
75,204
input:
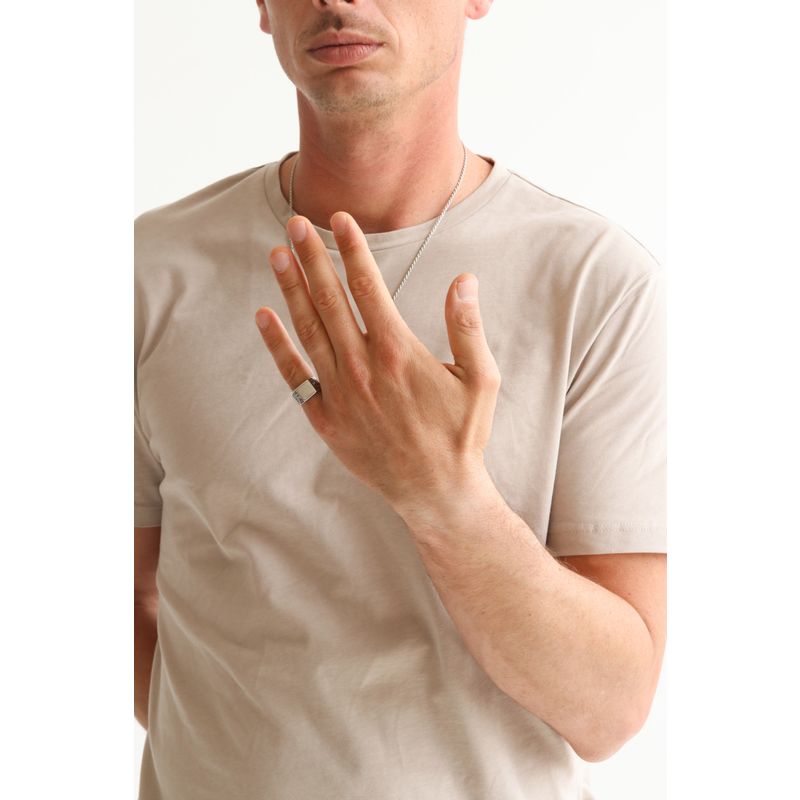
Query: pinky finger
x,y
291,365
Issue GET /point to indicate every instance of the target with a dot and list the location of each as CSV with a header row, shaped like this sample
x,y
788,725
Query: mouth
x,y
365,43
344,53
340,39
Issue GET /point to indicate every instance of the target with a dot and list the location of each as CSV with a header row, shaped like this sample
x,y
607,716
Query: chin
x,y
362,99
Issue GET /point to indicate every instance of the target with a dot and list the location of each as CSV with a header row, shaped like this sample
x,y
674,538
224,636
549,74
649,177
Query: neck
x,y
388,172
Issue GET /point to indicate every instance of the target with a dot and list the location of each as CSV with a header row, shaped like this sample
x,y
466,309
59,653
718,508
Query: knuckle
x,y
351,246
271,337
307,329
310,257
363,286
326,298
390,353
291,283
489,377
356,370
468,320
323,426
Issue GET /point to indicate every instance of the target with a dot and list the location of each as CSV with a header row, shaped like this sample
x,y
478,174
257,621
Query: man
x,y
444,575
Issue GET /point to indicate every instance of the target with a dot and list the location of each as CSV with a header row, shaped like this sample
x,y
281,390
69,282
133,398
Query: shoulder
x,y
583,232
590,261
185,241
220,201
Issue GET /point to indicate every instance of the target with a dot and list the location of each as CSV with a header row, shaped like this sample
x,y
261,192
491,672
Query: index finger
x,y
369,290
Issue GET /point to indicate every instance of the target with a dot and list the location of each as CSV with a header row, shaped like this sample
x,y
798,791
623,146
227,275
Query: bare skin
x,y
370,130
145,613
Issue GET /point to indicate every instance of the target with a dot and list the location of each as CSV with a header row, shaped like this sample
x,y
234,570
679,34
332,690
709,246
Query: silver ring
x,y
306,390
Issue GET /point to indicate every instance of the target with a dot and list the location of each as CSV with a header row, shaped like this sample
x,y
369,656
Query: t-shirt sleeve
x,y
148,472
610,485
147,476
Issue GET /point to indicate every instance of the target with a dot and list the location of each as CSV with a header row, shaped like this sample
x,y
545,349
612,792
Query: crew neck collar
x,y
383,240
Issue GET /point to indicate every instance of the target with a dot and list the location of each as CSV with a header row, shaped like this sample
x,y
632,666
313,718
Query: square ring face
x,y
304,391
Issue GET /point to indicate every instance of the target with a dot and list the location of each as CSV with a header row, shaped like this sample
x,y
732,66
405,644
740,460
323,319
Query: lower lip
x,y
344,53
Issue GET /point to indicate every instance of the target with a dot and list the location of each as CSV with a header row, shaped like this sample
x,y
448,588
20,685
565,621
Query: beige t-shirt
x,y
303,652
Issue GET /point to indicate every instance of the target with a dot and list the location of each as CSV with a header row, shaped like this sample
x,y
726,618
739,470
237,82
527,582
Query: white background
x,y
571,95
578,108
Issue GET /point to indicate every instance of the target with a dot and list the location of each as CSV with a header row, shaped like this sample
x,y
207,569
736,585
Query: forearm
x,y
144,642
565,648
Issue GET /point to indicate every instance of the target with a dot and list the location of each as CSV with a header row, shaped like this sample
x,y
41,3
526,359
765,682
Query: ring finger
x,y
307,323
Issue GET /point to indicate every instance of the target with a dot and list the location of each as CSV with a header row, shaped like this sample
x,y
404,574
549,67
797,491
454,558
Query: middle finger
x,y
325,288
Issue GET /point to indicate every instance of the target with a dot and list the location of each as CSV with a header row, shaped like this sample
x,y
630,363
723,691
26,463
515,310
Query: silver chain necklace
x,y
430,233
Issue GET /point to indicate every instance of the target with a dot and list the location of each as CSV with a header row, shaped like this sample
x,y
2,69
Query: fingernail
x,y
280,260
262,320
339,223
297,230
467,289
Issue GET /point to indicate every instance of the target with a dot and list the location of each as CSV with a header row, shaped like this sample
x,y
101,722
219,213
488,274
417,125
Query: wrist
x,y
448,502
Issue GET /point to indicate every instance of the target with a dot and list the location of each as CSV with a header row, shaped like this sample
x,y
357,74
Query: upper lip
x,y
342,37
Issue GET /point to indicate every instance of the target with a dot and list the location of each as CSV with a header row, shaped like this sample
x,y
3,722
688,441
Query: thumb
x,y
465,329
